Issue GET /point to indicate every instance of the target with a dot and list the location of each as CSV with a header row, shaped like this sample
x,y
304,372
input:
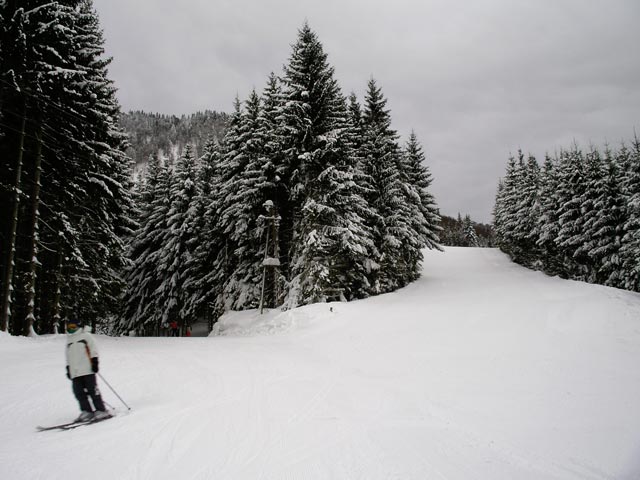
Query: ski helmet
x,y
73,325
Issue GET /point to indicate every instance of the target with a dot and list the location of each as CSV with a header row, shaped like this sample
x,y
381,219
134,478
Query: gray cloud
x,y
476,80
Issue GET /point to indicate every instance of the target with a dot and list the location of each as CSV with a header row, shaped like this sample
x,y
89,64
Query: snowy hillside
x,y
479,370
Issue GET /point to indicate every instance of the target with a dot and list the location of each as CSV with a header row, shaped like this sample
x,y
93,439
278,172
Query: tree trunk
x,y
56,302
11,246
33,260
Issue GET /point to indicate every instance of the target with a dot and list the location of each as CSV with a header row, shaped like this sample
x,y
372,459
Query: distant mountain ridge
x,y
166,135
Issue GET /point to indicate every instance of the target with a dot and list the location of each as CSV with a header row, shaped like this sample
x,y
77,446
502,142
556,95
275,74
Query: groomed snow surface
x,y
479,370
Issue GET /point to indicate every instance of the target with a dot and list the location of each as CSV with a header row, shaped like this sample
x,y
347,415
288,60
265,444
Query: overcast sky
x,y
476,80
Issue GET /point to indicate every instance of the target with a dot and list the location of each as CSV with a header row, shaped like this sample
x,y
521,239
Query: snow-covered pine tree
x,y
199,292
523,233
593,183
330,243
142,276
242,217
364,181
498,214
629,158
14,71
420,179
71,112
355,116
394,236
177,250
585,225
470,234
505,212
459,237
269,131
571,235
514,182
608,227
218,252
351,187
275,190
547,225
105,174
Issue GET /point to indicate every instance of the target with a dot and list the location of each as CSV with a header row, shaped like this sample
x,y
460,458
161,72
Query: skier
x,y
174,328
82,366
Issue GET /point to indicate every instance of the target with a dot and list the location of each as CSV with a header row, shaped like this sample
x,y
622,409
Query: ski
x,y
72,425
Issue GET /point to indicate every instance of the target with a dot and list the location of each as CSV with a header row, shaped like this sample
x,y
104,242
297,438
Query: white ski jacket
x,y
81,348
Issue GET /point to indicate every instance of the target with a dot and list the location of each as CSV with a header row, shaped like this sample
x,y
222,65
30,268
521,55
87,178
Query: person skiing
x,y
82,366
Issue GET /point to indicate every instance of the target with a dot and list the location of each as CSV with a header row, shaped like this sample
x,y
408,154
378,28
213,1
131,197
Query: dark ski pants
x,y
85,387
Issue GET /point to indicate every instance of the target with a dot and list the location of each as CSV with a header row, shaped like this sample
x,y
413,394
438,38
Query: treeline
x,y
64,179
577,216
464,232
309,196
167,135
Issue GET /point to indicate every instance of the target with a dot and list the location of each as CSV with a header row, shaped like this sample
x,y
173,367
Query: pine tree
x,y
630,248
593,183
357,123
498,214
420,179
570,193
525,211
608,227
245,197
583,219
269,132
471,237
59,87
506,214
274,189
395,238
330,243
547,225
217,251
357,138
142,275
177,249
13,56
196,300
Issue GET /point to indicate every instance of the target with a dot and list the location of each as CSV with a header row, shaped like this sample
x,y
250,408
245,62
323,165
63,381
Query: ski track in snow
x,y
480,369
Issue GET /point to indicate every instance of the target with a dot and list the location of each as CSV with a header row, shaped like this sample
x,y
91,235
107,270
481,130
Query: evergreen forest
x,y
168,135
464,232
576,216
300,195
308,197
64,178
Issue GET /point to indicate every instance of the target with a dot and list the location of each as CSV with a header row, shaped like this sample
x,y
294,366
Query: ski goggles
x,y
72,327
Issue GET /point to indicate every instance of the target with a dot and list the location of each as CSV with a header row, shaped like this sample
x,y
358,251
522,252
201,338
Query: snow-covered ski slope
x,y
479,370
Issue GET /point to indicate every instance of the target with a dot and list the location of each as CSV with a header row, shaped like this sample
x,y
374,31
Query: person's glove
x,y
94,364
68,373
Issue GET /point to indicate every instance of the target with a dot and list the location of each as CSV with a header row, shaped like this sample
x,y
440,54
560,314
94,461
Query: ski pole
x,y
125,404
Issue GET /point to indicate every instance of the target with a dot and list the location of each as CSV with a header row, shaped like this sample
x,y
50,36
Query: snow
x,y
271,262
480,369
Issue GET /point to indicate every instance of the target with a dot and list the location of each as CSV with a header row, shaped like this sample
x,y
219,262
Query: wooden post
x,y
264,272
271,262
275,223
